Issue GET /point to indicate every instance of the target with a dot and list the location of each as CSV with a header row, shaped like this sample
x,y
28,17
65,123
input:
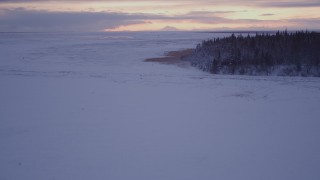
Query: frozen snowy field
x,y
86,106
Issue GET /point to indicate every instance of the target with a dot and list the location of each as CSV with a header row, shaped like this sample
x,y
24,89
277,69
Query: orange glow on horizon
x,y
158,25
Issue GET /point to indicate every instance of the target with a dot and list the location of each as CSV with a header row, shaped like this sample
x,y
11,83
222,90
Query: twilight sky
x,y
140,15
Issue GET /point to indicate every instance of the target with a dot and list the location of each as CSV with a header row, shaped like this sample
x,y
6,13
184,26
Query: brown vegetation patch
x,y
172,57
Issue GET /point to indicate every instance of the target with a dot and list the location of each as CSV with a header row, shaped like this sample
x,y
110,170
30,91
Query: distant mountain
x,y
169,28
282,53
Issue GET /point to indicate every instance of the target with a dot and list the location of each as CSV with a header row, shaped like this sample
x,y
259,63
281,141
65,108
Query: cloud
x,y
307,23
20,19
267,14
201,16
32,20
213,17
273,3
209,13
291,4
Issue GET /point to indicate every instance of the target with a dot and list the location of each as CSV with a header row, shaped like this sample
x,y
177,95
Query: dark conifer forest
x,y
280,53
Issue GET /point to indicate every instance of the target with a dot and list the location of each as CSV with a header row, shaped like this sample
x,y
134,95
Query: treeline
x,y
281,53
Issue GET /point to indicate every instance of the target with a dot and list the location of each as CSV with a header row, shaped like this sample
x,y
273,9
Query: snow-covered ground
x,y
86,106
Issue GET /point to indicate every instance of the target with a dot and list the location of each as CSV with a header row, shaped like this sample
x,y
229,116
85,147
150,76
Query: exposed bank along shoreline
x,y
173,57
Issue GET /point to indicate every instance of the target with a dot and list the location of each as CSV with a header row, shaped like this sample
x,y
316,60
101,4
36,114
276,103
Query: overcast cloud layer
x,y
19,18
30,20
264,3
